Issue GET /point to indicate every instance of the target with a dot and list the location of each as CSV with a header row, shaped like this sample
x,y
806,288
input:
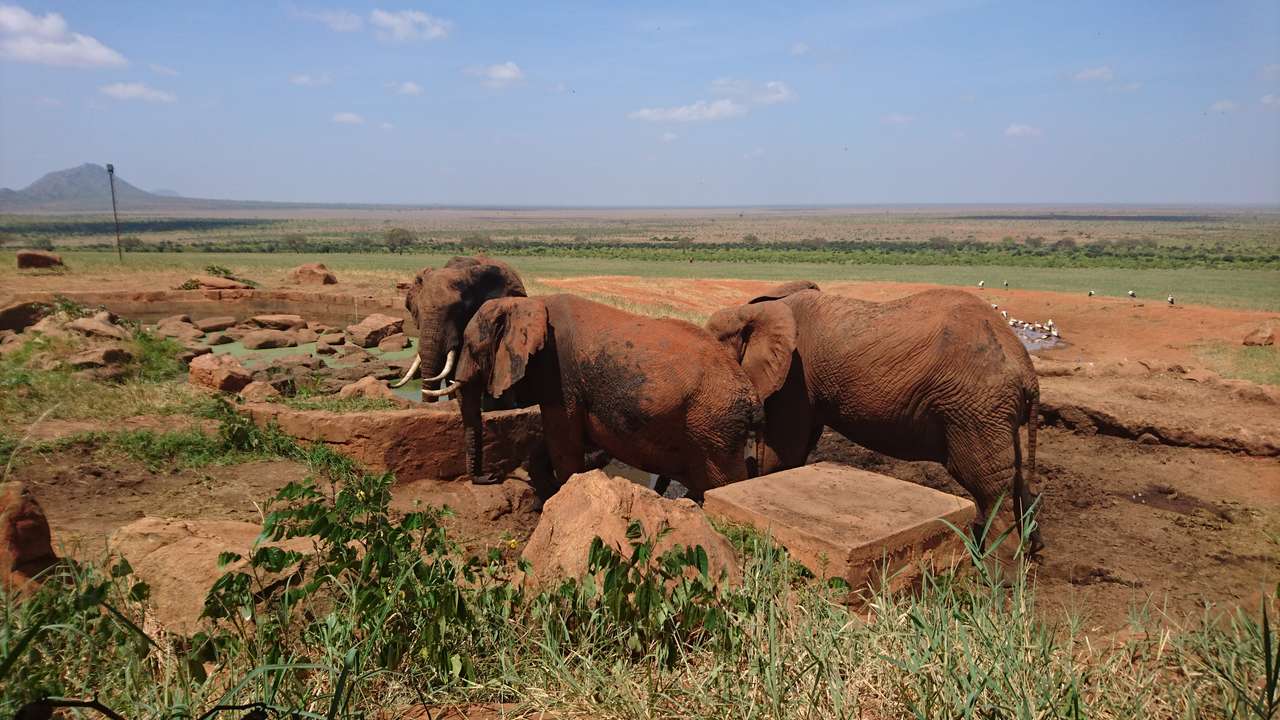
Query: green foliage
x,y
398,240
131,243
296,242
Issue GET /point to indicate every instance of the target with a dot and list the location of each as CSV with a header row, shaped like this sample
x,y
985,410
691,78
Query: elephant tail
x,y
1033,419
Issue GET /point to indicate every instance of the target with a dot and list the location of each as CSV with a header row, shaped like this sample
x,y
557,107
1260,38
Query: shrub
x,y
398,240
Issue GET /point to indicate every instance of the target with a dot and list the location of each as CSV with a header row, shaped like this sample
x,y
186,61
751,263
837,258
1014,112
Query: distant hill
x,y
166,193
80,189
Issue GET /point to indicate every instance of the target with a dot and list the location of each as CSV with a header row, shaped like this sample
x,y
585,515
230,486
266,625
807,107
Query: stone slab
x,y
843,522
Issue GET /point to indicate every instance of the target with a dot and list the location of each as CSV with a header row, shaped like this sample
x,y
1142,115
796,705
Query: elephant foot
x,y
486,479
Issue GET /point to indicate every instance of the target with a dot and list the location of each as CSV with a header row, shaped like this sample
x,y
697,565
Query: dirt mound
x,y
25,549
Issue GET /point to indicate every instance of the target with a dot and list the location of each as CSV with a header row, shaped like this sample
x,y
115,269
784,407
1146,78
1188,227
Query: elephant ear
x,y
769,339
789,288
488,279
500,340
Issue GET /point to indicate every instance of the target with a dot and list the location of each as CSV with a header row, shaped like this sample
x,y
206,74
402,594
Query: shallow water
x,y
253,359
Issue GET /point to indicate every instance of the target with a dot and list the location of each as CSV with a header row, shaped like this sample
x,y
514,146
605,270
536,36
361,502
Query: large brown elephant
x,y
443,300
933,376
658,394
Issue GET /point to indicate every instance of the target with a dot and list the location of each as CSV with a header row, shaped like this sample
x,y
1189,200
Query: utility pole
x,y
111,180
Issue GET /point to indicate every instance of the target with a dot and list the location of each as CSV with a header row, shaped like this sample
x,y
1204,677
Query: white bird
x,y
1133,294
1004,313
982,283
1013,323
1050,322
995,306
1054,332
1006,283
1090,293
1170,299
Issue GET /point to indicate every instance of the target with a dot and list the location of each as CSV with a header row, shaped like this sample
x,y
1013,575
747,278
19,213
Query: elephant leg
x,y
715,470
566,442
984,465
791,431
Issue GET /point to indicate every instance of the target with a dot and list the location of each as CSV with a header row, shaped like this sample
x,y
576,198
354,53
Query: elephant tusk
x,y
413,370
448,367
449,389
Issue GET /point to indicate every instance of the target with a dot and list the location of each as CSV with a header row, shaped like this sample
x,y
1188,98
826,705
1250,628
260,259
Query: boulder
x,y
279,322
220,372
178,559
258,391
394,343
594,504
373,329
180,331
35,259
298,360
51,325
323,349
213,282
93,327
20,316
264,339
26,548
218,338
372,388
100,357
332,338
1260,337
312,274
183,318
305,336
214,324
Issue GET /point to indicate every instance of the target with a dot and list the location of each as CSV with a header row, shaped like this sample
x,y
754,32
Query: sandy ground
x,y
1127,523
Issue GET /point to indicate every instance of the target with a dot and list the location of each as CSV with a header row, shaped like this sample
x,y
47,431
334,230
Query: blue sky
x,y
658,104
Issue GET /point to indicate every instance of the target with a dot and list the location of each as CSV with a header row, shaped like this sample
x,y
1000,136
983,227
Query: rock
x,y
106,316
319,328
335,338
218,338
100,357
35,259
279,322
93,327
264,339
220,372
1147,438
170,319
51,325
20,316
373,329
394,343
312,274
180,331
372,388
178,559
594,504
213,282
354,353
26,547
196,349
258,391
305,336
214,324
843,522
304,360
323,349
1260,337
1200,375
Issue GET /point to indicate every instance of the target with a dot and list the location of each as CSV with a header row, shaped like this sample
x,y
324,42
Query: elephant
x,y
932,376
658,394
443,300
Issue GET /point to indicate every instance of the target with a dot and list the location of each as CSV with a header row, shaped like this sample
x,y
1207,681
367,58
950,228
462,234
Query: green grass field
x,y
1237,288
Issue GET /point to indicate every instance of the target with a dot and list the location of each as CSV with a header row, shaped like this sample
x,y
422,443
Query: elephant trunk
x,y
473,429
431,350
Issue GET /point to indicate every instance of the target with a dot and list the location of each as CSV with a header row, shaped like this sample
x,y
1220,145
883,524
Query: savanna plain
x,y
1156,596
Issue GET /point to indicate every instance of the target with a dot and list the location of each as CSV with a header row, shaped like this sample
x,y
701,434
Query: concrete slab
x,y
843,522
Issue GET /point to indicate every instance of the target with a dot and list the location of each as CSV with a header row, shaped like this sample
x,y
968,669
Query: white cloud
x,y
770,93
164,70
1271,100
1271,72
696,112
47,101
1223,106
753,154
406,25
1127,87
1019,130
1102,73
348,118
408,87
800,48
136,91
45,40
897,119
337,20
499,75
668,136
309,80
387,126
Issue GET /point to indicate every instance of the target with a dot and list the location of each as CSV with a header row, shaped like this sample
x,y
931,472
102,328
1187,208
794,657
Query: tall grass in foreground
x,y
383,611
